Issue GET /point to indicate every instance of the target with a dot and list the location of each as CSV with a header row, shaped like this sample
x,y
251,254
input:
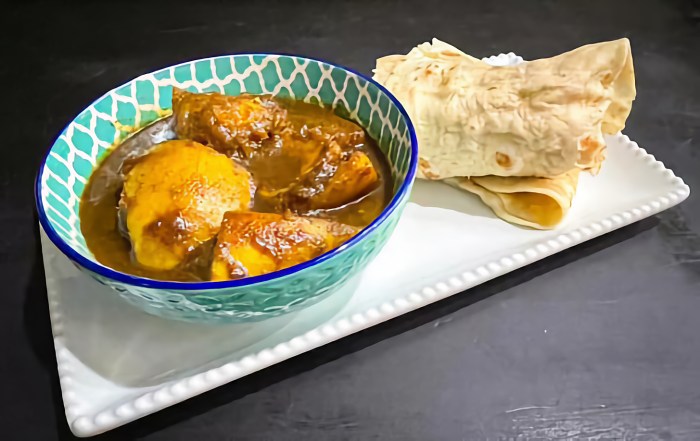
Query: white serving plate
x,y
117,364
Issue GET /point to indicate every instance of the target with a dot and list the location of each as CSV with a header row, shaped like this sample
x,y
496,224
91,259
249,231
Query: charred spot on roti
x,y
607,79
503,160
424,166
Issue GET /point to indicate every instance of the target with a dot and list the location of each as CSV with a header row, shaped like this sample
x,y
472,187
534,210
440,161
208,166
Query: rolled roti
x,y
533,202
539,118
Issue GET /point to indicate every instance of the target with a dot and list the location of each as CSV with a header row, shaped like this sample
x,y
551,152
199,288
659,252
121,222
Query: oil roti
x,y
539,118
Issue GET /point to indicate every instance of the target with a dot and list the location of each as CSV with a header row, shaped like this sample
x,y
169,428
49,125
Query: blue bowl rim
x,y
144,282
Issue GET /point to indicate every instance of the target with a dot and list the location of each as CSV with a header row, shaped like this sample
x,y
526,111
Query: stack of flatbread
x,y
517,136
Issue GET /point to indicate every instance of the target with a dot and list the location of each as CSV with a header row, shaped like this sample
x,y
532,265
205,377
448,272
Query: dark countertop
x,y
601,342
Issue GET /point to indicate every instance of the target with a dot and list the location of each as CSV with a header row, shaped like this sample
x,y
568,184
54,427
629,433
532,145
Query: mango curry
x,y
251,185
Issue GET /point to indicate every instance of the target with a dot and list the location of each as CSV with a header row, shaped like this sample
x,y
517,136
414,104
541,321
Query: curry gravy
x,y
273,171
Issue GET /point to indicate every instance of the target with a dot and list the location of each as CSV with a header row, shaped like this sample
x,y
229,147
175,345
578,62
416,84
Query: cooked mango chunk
x,y
234,125
251,244
353,178
175,197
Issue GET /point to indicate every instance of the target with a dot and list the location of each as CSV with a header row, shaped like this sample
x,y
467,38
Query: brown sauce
x,y
274,170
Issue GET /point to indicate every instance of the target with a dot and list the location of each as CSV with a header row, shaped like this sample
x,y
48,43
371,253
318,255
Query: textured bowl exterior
x,y
113,117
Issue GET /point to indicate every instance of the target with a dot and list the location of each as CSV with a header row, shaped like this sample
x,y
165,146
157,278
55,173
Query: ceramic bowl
x,y
88,138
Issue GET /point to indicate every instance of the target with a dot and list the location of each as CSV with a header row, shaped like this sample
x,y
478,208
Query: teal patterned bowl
x,y
89,137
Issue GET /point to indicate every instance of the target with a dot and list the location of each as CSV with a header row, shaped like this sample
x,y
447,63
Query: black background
x,y
599,342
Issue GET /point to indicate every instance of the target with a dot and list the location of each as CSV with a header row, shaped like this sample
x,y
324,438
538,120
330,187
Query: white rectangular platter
x,y
117,364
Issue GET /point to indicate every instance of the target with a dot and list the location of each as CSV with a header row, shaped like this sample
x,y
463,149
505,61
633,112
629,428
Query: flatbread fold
x,y
539,203
541,118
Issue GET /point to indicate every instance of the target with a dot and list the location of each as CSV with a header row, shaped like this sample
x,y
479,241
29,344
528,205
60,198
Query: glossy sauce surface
x,y
284,178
